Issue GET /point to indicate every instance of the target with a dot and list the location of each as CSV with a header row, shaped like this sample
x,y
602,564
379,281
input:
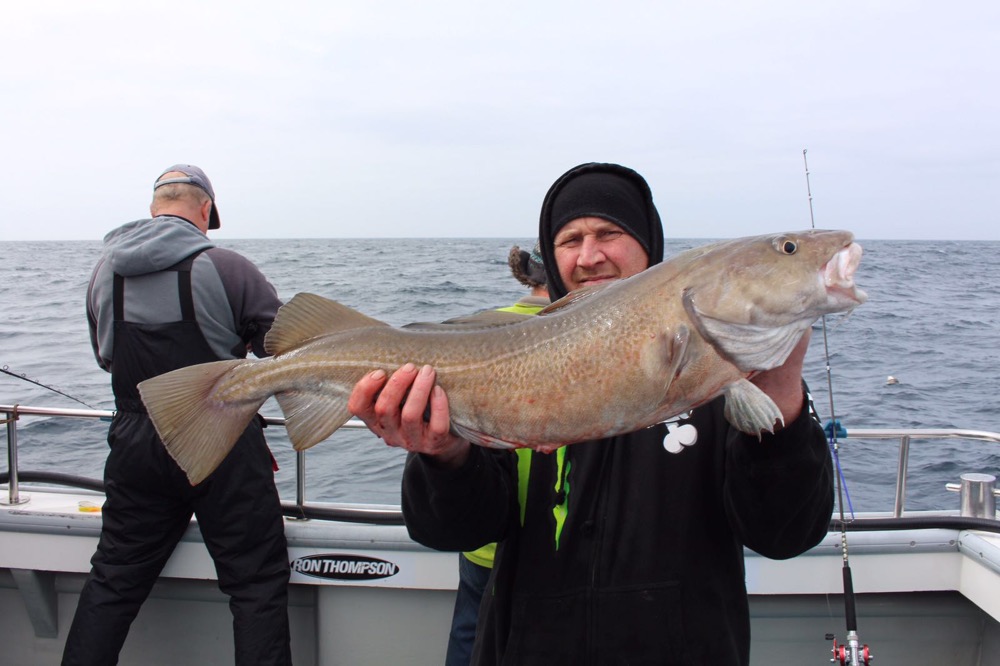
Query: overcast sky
x,y
394,119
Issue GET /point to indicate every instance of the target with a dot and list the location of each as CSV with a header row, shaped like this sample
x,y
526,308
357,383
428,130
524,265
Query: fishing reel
x,y
851,654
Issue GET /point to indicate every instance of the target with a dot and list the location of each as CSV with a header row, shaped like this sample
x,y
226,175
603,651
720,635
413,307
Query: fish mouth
x,y
838,275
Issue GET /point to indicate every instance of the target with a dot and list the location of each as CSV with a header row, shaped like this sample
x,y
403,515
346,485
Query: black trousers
x,y
148,508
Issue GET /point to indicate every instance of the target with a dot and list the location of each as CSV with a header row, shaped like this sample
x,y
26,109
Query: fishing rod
x,y
6,371
853,653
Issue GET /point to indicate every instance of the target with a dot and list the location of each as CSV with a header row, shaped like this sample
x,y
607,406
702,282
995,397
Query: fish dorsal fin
x,y
484,319
572,298
749,347
309,316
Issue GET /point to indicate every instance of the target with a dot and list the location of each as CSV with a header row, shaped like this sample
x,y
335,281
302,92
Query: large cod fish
x,y
601,361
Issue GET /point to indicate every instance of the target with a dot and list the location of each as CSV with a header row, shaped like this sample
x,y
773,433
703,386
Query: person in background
x,y
161,297
528,269
627,549
474,566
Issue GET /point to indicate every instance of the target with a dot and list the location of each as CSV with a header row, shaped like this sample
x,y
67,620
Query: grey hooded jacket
x,y
234,303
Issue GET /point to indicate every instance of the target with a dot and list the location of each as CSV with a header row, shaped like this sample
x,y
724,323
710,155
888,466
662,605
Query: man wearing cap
x,y
161,297
627,549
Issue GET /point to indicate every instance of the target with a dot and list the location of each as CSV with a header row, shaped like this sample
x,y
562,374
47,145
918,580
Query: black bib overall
x,y
150,502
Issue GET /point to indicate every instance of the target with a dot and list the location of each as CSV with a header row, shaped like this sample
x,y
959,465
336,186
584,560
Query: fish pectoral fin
x,y
308,316
749,409
666,356
311,417
481,439
197,431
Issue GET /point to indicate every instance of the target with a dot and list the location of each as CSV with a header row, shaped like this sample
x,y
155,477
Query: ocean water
x,y
932,321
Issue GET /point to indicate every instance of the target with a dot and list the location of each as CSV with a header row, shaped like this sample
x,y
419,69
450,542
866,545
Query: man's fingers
x,y
365,393
439,423
412,416
387,405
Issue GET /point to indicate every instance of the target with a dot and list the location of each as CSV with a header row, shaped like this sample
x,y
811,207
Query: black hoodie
x,y
626,550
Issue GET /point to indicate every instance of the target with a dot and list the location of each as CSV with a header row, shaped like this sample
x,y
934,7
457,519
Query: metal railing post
x,y
300,478
904,462
13,490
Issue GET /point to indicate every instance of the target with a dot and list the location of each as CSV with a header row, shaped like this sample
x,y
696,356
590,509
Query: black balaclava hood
x,y
610,191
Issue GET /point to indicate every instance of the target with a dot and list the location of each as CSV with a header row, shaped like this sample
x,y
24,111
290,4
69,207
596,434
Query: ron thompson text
x,y
344,567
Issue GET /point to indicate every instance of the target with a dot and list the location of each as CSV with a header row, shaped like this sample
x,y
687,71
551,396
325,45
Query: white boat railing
x,y
11,413
905,437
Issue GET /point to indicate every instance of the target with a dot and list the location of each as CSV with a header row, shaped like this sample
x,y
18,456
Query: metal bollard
x,y
978,495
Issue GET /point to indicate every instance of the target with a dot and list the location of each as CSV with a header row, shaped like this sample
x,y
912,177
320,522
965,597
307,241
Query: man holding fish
x,y
626,549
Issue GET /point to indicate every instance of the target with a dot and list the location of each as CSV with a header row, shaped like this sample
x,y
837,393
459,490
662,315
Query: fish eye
x,y
786,246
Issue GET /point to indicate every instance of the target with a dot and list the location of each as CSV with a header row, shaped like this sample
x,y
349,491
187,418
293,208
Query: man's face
x,y
592,250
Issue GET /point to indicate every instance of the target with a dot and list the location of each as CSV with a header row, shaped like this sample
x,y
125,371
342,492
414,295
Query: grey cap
x,y
193,176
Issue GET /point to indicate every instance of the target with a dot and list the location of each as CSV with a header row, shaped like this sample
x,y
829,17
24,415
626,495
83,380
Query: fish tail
x,y
199,432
